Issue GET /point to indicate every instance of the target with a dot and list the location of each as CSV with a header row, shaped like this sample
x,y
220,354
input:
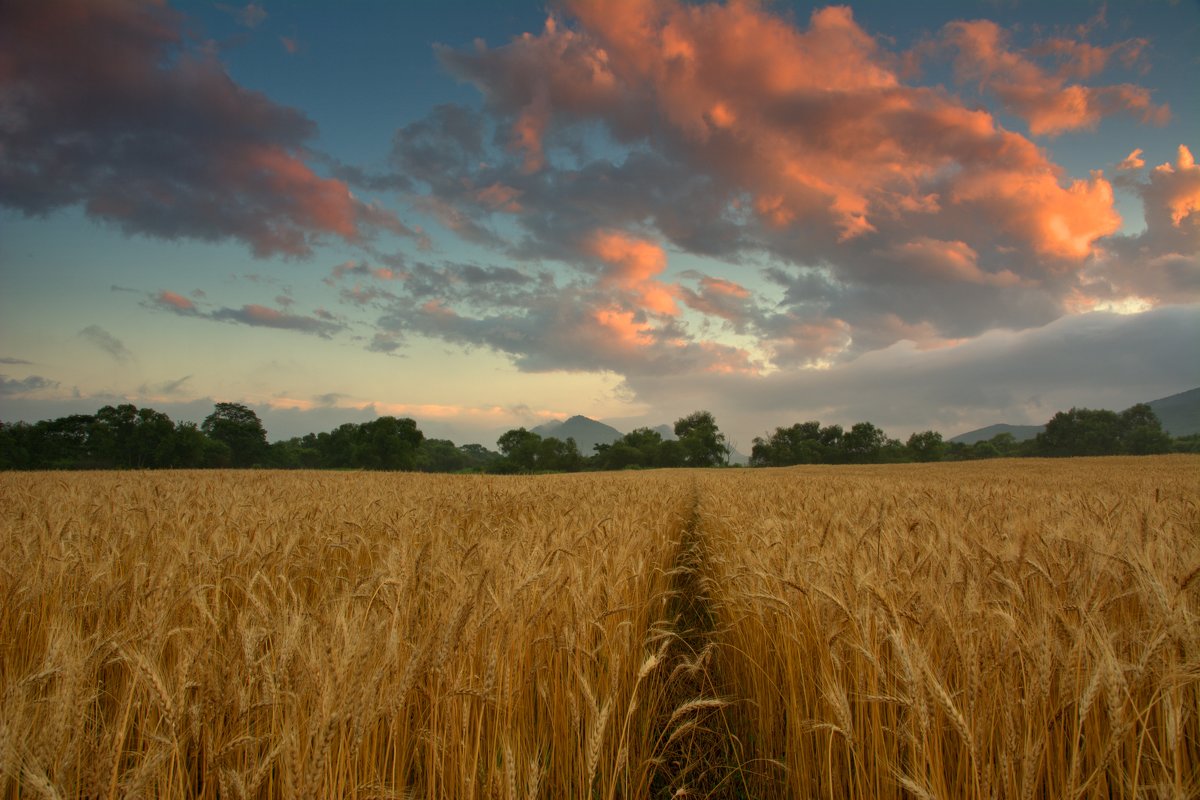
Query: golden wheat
x,y
1005,629
281,635
1016,629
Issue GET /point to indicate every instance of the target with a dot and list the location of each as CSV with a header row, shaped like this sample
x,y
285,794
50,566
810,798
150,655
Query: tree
x,y
520,450
702,442
188,446
863,443
387,443
440,455
239,429
799,444
478,456
1142,433
926,446
1081,432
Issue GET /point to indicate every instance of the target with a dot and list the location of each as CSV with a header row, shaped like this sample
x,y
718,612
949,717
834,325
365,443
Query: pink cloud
x,y
176,301
114,110
1176,188
946,260
814,125
722,298
500,197
631,264
1044,99
1132,161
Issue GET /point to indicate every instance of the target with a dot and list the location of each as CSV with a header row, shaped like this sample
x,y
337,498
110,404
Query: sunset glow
x,y
489,215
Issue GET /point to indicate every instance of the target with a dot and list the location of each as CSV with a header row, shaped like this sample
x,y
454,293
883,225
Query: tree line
x,y
1078,432
126,437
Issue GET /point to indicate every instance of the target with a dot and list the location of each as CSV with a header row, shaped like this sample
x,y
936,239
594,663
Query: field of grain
x,y
1016,629
1008,629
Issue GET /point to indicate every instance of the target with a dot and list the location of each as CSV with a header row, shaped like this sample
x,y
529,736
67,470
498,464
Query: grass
x,y
1000,629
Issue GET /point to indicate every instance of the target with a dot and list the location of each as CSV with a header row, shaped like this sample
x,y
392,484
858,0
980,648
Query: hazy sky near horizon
x,y
491,214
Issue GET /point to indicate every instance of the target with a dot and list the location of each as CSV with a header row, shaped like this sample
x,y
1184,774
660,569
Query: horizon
x,y
496,216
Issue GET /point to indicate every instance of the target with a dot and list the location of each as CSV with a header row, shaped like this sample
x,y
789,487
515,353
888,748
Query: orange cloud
x,y
1045,100
500,197
1177,187
631,264
176,301
624,328
722,286
947,260
1034,208
1132,161
813,126
175,148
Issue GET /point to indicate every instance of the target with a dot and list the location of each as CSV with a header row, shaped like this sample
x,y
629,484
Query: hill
x,y
1179,414
1019,432
586,432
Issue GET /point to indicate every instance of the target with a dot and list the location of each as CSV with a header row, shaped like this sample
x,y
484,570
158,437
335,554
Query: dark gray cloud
x,y
546,326
107,105
1099,360
168,387
321,323
14,361
266,317
106,342
33,383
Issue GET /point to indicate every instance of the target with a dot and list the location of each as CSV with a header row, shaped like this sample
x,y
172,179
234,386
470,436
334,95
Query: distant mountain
x,y
1019,432
586,432
1179,414
666,431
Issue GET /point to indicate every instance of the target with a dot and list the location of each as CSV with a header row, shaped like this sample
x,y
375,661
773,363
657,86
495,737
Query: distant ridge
x,y
586,432
1019,432
1179,414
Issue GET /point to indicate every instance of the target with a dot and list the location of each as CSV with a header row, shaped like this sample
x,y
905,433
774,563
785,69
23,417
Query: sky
x,y
485,215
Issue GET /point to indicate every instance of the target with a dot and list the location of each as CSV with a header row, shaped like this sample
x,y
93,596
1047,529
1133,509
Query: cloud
x,y
630,266
320,323
108,106
165,388
546,326
14,361
176,302
266,317
1162,263
1098,360
250,15
106,342
1132,161
1045,99
10,387
903,211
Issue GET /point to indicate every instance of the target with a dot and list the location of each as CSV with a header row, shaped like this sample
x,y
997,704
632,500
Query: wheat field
x,y
1008,629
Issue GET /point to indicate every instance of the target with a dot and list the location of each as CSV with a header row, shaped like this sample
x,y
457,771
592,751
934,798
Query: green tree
x,y
440,455
520,450
863,443
187,446
238,428
387,443
702,442
1141,431
1081,432
798,444
926,446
